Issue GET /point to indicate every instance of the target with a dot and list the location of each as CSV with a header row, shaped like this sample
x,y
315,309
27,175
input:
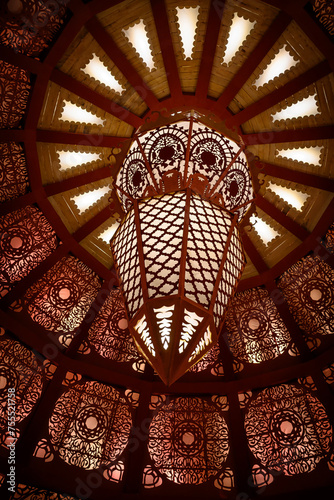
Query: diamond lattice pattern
x,y
127,258
162,221
208,230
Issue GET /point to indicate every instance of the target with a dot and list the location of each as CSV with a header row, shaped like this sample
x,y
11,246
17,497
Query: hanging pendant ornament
x,y
184,188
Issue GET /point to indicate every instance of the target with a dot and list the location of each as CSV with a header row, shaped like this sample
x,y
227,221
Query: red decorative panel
x,y
26,239
308,288
288,429
188,440
24,492
209,360
90,425
256,331
14,91
324,10
329,241
60,299
20,371
109,334
13,171
32,25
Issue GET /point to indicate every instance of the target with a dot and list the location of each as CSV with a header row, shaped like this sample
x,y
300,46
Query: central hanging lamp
x,y
178,254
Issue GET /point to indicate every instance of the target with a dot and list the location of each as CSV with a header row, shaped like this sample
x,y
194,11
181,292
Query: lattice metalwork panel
x,y
19,372
324,10
60,299
188,440
256,332
308,288
14,180
161,227
26,239
127,262
90,425
32,493
109,333
288,429
231,275
15,87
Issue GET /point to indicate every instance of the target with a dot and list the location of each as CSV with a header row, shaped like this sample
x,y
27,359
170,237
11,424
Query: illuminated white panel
x,y
305,107
73,113
292,197
69,159
109,232
310,155
97,70
281,63
266,232
138,38
86,200
239,31
187,19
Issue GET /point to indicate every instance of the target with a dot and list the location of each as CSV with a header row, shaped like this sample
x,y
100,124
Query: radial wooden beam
x,y
116,55
253,253
267,41
22,61
92,224
95,98
280,217
290,135
166,44
16,204
296,176
278,95
13,135
209,48
94,140
77,181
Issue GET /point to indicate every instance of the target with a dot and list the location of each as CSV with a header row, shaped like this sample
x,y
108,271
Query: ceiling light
x,y
187,20
239,31
305,107
97,70
137,36
73,113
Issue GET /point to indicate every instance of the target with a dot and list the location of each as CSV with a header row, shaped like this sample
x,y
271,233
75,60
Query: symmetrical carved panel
x,y
324,10
14,92
60,299
188,440
256,331
90,425
288,429
26,239
308,288
13,171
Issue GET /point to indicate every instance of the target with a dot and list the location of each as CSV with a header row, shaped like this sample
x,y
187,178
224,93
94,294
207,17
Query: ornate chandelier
x,y
184,188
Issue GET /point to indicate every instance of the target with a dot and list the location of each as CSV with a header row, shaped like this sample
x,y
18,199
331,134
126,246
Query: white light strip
x,y
73,113
69,159
86,200
310,155
97,70
290,196
109,232
239,31
266,232
137,36
281,63
187,19
305,107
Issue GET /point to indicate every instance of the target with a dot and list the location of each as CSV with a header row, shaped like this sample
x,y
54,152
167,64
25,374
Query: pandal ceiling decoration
x,y
178,253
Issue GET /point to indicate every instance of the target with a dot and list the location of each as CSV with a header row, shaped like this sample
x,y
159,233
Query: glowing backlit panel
x,y
86,200
305,107
97,70
294,198
239,31
73,113
109,232
70,159
282,62
187,20
310,155
137,36
266,232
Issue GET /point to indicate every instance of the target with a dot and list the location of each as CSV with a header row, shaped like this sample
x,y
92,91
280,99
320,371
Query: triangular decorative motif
x,y
187,20
292,197
306,107
96,69
137,36
311,155
239,30
73,113
70,159
86,200
282,62
264,230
